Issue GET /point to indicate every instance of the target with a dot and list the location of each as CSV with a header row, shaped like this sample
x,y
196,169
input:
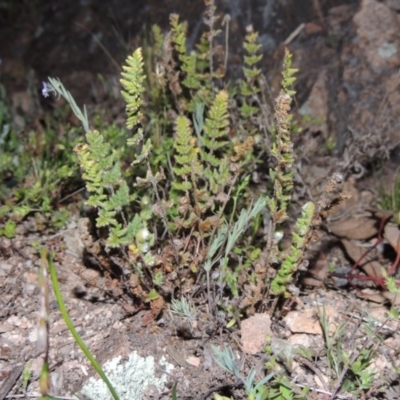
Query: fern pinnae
x,y
249,88
188,61
282,150
294,257
210,21
252,58
132,81
109,191
214,149
186,158
101,166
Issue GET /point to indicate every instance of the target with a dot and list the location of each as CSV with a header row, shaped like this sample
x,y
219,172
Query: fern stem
x,y
163,215
211,10
225,21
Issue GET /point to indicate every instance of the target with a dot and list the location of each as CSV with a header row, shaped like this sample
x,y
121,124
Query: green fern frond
x,y
252,58
192,80
250,87
112,175
95,158
106,218
213,145
214,152
158,38
217,123
186,157
103,176
219,177
120,235
216,126
132,81
293,259
203,61
179,33
282,148
100,165
210,159
182,186
189,61
246,89
133,227
117,236
120,198
95,200
288,74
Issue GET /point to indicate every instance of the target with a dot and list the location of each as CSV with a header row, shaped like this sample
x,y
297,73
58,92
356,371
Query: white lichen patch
x,y
129,379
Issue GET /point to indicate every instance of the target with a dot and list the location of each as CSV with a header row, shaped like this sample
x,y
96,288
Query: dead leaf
x,y
157,306
368,263
392,297
391,234
205,225
311,282
372,295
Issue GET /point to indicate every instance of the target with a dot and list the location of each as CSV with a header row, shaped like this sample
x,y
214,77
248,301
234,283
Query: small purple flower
x,y
45,90
48,89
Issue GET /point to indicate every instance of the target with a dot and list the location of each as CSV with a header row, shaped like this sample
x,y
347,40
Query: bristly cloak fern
x,y
108,190
191,80
282,148
101,166
195,69
293,258
215,147
188,167
205,205
132,81
249,87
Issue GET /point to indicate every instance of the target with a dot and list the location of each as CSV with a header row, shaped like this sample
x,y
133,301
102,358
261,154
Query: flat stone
x,y
254,331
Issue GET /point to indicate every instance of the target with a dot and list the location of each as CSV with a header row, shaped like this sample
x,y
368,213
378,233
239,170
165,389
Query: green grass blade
x,y
73,331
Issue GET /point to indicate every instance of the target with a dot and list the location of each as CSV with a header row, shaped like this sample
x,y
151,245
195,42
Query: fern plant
x,y
108,190
249,87
214,141
188,61
188,167
282,177
198,211
100,165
